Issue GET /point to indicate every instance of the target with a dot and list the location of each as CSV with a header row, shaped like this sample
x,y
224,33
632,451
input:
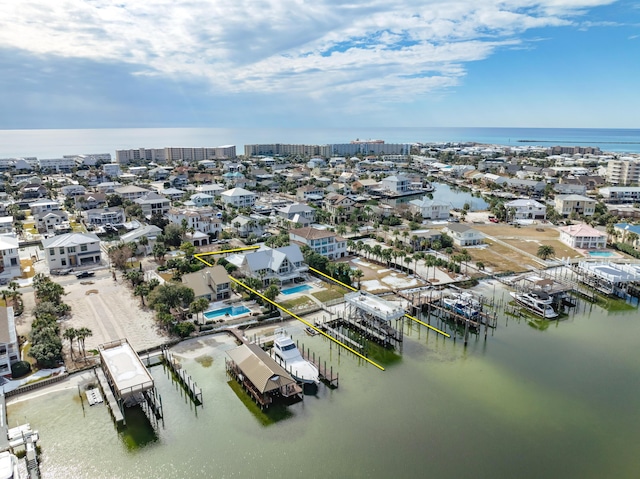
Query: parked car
x,y
85,274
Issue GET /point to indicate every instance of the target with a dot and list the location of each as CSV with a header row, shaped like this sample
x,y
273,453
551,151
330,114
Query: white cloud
x,y
370,49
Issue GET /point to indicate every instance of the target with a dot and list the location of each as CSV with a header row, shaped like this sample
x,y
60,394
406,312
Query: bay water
x,y
537,399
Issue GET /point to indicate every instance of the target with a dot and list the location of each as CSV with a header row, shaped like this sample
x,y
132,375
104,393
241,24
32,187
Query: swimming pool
x,y
296,289
602,254
230,310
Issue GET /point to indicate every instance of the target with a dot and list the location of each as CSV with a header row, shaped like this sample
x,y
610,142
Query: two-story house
x,y
323,242
526,209
340,207
72,250
204,220
153,204
9,258
297,213
201,200
103,216
248,225
212,283
282,265
430,209
566,205
464,235
9,344
395,184
238,197
130,192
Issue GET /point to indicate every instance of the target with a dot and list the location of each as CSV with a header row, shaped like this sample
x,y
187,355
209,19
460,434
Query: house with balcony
x,y
211,283
311,193
72,250
204,220
212,189
282,265
397,185
297,213
104,216
43,207
9,258
323,242
430,209
238,197
90,201
201,200
130,192
52,222
153,203
340,207
620,194
9,344
566,205
150,232
463,235
583,236
526,209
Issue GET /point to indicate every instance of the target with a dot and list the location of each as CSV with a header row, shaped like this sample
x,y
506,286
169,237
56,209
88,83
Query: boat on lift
x,y
536,304
286,353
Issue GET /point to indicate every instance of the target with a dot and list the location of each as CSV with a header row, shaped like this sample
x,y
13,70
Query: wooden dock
x,y
327,375
114,407
189,385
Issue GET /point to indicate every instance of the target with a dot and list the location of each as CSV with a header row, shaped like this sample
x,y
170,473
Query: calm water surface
x,y
560,401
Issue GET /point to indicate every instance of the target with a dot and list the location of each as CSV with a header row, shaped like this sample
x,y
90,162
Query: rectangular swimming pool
x,y
601,254
230,310
296,289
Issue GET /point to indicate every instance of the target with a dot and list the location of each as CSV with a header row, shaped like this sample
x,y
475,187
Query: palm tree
x,y
631,239
357,275
198,306
546,251
82,334
142,290
70,334
464,257
407,260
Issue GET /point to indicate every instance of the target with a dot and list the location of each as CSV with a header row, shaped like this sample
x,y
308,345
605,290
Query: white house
x,y
72,250
150,232
102,216
297,213
248,225
281,264
212,189
430,209
395,184
205,220
201,200
9,258
238,197
44,206
583,237
9,345
323,242
463,235
526,209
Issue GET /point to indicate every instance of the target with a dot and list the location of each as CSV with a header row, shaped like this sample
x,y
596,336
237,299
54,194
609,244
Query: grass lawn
x,y
531,246
500,258
539,232
334,292
300,302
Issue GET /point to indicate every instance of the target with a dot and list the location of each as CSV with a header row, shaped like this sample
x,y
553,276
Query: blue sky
x,y
319,63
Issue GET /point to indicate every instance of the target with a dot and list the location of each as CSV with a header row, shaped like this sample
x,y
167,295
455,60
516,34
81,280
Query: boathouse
x,y
609,278
264,379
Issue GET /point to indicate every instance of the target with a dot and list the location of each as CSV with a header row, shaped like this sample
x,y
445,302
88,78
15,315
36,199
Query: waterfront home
x,y
282,265
430,209
365,185
526,210
9,346
566,205
212,283
71,250
583,236
323,242
463,235
9,258
395,184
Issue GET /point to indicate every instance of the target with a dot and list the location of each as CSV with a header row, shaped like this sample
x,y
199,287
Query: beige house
x,y
578,204
212,283
463,235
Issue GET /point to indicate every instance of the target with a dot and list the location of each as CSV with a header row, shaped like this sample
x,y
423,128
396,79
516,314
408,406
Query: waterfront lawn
x,y
332,292
531,247
499,258
300,302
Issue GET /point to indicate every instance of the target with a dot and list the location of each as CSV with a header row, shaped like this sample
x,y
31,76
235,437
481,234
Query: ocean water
x,y
55,143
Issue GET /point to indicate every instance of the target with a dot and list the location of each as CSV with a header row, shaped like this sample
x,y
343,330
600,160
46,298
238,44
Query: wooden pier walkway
x,y
118,416
327,375
338,335
190,386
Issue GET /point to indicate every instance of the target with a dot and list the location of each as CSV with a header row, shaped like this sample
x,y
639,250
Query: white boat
x,y
463,304
8,466
286,353
536,304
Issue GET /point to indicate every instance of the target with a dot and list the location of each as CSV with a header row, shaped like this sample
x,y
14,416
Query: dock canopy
x,y
124,368
264,373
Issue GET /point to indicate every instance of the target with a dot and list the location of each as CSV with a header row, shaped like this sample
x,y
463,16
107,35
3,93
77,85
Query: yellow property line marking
x,y
307,323
197,255
428,326
332,279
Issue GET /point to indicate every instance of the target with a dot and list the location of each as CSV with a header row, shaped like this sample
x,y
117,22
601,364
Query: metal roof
x,y
263,372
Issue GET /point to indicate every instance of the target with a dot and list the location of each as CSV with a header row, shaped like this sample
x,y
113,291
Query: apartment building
x,y
623,171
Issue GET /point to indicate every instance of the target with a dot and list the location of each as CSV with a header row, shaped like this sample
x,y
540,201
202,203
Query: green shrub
x,y
20,369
